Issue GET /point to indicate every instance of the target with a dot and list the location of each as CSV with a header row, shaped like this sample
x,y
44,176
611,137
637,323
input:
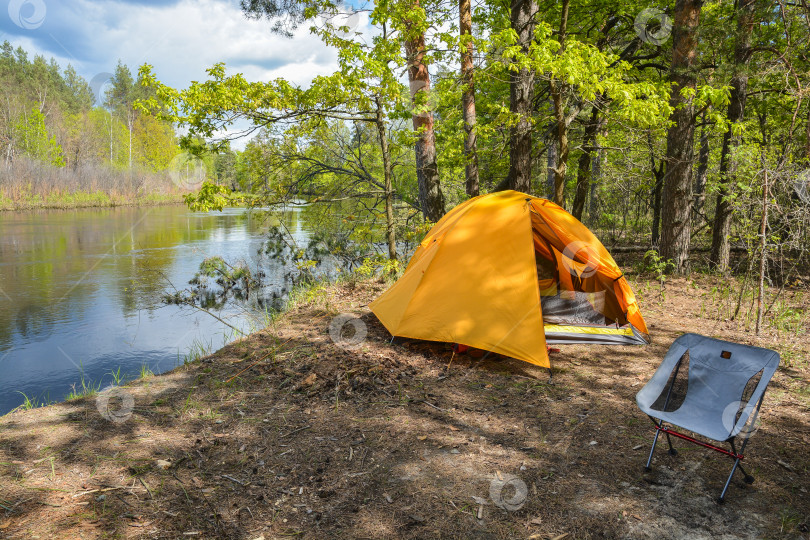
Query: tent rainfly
x,y
509,273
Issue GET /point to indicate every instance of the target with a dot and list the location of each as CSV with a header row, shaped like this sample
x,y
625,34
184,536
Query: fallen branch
x,y
430,405
149,491
232,479
293,432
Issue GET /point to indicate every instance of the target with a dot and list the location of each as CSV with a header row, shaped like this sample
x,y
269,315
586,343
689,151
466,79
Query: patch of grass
x,y
86,388
792,358
198,349
28,403
116,376
306,294
189,403
146,372
789,519
31,403
788,318
656,266
211,414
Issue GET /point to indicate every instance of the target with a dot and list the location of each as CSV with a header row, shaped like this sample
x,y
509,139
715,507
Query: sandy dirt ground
x,y
287,433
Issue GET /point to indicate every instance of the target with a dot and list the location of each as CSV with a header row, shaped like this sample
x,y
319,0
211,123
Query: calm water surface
x,y
81,292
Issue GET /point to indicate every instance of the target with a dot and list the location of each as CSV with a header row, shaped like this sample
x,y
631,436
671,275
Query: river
x,y
81,293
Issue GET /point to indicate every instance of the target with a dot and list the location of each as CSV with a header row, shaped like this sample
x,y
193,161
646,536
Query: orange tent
x,y
498,269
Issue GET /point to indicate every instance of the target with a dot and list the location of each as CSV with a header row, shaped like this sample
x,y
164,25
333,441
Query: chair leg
x,y
722,498
672,451
655,441
748,478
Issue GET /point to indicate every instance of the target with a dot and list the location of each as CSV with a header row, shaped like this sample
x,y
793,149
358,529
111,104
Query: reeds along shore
x,y
26,183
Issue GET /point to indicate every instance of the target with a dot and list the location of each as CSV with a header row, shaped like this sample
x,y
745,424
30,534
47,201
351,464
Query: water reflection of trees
x,y
55,262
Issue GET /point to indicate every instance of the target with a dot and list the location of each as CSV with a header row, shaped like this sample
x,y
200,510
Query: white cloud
x,y
184,39
181,40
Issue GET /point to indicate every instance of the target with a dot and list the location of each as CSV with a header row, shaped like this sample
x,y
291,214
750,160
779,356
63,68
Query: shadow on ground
x,y
287,433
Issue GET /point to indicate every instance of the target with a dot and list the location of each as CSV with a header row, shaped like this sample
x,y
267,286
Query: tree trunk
x,y
658,177
584,167
111,138
736,112
596,177
702,173
763,252
807,138
129,126
389,190
468,98
521,89
677,200
431,199
559,117
561,166
551,162
657,189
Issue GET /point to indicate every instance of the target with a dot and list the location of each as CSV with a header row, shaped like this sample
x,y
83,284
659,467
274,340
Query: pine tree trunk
x,y
468,98
736,111
677,200
431,199
584,166
521,90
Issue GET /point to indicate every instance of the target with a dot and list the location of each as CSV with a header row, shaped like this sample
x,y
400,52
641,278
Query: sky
x,y
181,39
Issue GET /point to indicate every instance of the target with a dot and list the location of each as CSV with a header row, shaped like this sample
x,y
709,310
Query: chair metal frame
x,y
738,456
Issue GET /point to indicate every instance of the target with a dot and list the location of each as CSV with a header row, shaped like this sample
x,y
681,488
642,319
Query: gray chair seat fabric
x,y
720,394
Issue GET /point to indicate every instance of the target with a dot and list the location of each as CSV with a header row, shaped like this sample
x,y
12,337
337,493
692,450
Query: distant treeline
x,y
60,135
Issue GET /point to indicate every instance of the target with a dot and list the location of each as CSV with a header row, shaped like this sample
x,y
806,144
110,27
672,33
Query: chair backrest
x,y
717,385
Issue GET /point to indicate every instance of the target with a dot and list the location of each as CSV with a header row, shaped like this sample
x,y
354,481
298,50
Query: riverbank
x,y
288,433
86,199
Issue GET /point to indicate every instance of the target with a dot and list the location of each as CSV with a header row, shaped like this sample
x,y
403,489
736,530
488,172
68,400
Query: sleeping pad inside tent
x,y
509,273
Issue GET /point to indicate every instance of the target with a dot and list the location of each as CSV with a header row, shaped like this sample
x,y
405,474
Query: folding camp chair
x,y
711,388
